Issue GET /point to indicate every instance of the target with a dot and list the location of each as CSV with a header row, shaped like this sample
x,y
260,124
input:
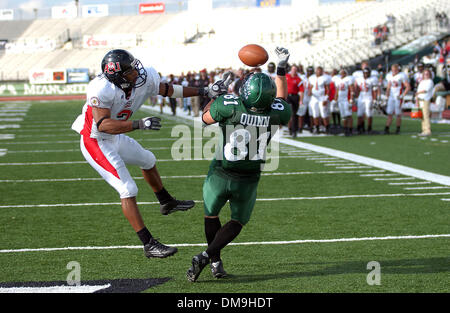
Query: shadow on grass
x,y
403,266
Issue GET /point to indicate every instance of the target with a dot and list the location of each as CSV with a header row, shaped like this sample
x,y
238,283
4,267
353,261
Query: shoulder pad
x,y
280,112
101,93
224,107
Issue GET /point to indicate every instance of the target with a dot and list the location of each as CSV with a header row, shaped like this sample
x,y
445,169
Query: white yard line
x,y
159,160
5,126
11,119
351,167
260,199
332,161
320,158
251,243
42,180
77,141
11,114
371,175
395,178
341,164
428,187
7,136
73,150
55,289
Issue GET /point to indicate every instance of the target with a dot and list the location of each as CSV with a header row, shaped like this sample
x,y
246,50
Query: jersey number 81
x,y
240,143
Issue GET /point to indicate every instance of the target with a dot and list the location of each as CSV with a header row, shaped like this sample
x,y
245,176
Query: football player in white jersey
x,y
304,99
365,64
112,98
398,86
365,90
344,89
318,91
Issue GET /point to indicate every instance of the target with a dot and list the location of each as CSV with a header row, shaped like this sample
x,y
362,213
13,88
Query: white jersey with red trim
x,y
343,87
318,84
397,82
365,86
101,93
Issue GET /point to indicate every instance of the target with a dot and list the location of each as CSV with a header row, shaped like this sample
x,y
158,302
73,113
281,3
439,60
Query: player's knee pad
x,y
150,160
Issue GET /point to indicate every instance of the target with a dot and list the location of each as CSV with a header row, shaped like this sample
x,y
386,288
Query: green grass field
x,y
49,202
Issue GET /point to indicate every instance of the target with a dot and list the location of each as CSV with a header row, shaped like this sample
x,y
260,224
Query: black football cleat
x,y
198,264
217,269
176,205
155,249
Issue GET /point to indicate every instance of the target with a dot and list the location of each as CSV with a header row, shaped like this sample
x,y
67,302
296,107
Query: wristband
x,y
177,91
100,121
136,124
281,71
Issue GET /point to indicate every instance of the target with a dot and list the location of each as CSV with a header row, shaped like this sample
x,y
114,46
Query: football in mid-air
x,y
253,55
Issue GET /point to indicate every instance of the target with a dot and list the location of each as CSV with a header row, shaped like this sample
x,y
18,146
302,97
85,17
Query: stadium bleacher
x,y
331,35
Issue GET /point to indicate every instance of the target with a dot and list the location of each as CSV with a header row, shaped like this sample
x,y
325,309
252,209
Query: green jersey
x,y
245,134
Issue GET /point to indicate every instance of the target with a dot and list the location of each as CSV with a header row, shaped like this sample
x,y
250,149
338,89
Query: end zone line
x,y
392,167
236,243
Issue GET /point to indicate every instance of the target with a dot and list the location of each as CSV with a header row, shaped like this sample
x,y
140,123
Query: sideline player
x,y
318,91
344,89
112,98
249,119
397,88
365,91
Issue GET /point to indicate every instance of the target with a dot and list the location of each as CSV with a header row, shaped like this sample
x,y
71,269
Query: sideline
x,y
385,165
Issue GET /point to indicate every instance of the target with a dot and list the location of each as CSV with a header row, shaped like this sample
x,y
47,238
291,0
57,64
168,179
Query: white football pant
x,y
109,157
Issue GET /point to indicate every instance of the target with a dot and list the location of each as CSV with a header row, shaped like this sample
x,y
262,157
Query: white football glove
x,y
283,56
220,87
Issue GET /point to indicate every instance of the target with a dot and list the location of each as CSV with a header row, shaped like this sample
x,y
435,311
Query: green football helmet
x,y
258,92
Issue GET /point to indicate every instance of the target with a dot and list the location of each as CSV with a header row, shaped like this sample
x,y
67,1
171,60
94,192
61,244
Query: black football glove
x,y
148,123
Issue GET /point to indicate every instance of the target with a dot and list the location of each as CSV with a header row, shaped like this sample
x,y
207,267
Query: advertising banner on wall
x,y
6,15
47,76
109,41
68,11
95,10
7,90
146,8
77,75
267,3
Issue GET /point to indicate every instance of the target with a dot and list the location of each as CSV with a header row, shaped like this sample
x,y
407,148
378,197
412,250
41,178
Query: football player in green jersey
x,y
248,122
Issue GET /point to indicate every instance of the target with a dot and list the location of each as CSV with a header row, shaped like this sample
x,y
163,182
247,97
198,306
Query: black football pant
x,y
293,100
